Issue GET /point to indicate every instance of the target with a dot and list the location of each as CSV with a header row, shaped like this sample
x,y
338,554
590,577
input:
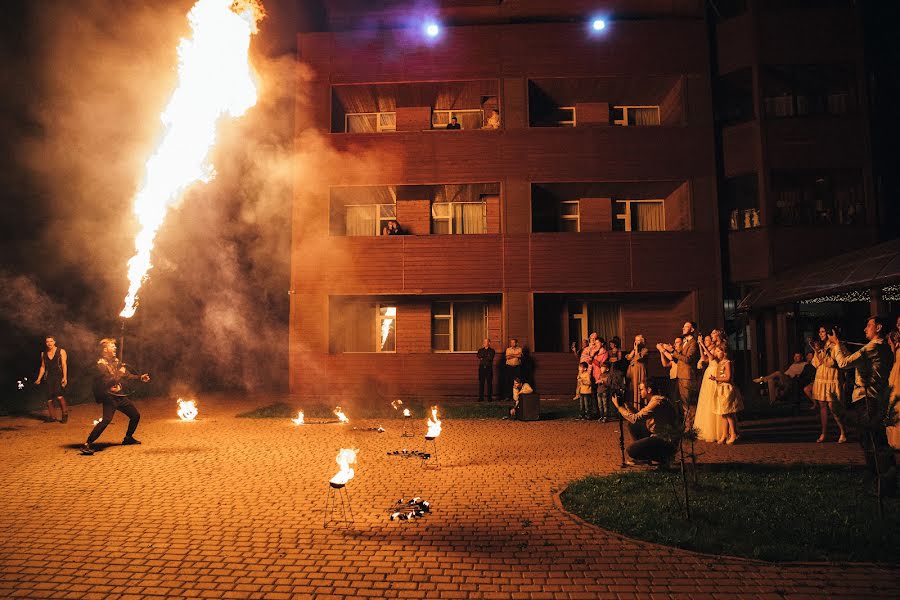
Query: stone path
x,y
233,508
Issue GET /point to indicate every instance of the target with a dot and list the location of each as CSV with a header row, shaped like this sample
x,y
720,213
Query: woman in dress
x,y
826,387
728,398
54,369
706,421
637,369
893,431
617,364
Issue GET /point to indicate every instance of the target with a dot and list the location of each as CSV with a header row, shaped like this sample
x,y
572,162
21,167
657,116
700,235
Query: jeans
x,y
110,405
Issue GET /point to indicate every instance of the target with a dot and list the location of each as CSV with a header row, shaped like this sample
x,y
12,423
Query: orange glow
x,y
434,424
214,80
187,410
345,458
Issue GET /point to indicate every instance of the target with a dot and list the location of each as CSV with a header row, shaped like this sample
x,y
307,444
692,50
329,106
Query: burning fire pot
x,y
431,436
337,502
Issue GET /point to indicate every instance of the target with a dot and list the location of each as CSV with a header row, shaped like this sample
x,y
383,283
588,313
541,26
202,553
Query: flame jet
x,y
214,80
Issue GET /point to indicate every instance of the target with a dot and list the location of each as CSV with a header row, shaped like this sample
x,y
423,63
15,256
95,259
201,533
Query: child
x,y
606,385
728,397
585,391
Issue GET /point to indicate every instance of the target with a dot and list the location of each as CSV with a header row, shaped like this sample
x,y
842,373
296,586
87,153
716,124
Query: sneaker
x,y
130,441
86,450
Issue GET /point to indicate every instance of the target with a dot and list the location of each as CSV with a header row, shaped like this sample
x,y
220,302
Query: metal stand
x,y
406,431
622,439
338,501
433,452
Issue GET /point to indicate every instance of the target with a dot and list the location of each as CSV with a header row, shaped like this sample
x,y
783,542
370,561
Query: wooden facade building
x,y
591,206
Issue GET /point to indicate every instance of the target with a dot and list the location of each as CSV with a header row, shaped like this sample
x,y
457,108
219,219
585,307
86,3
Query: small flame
x,y
345,458
215,79
434,424
299,419
406,412
396,404
340,415
187,409
96,421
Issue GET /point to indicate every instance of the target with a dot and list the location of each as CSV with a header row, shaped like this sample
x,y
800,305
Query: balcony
x,y
756,254
489,263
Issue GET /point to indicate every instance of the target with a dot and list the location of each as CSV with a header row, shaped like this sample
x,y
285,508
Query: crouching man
x,y
649,426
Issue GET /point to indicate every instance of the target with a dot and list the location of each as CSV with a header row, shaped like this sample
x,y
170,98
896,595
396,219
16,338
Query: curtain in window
x,y
470,120
603,318
361,124
469,218
353,327
468,326
645,116
649,216
360,220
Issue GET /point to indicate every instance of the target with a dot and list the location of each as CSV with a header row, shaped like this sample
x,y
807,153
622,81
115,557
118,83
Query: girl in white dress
x,y
728,398
707,422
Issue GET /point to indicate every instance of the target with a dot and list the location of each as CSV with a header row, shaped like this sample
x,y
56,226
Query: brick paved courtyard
x,y
233,508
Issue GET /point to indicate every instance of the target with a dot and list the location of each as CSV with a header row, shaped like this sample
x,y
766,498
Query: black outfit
x,y
453,126
647,427
53,374
107,376
486,373
873,364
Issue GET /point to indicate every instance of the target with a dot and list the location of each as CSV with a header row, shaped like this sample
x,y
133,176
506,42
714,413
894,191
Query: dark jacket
x,y
873,366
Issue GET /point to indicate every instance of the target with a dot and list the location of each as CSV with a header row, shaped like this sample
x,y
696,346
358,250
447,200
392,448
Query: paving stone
x,y
234,508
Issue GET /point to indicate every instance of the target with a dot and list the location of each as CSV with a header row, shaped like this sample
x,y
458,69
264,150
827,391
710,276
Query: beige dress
x,y
893,432
826,386
728,397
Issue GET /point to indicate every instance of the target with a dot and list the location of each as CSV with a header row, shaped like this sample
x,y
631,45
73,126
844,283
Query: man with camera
x,y
870,398
649,426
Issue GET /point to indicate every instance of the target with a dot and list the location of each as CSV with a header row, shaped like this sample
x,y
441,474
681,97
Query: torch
x,y
338,500
434,430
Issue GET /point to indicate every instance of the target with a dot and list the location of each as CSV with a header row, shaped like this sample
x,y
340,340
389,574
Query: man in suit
x,y
686,360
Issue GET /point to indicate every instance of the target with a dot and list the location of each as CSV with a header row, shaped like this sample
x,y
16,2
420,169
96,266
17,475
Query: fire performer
x,y
108,376
56,371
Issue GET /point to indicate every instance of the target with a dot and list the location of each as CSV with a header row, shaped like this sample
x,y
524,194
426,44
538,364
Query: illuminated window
x,y
362,326
375,122
470,118
368,219
639,215
458,217
635,116
569,220
458,326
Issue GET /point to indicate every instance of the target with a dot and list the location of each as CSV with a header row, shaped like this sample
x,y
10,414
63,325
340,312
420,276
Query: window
x,y
368,219
470,118
564,116
362,326
629,116
376,122
639,215
458,326
458,217
569,216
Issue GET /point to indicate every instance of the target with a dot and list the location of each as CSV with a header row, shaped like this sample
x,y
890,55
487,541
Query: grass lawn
x,y
419,409
790,513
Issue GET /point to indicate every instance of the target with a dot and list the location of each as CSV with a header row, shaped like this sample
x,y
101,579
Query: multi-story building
x,y
578,195
797,184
